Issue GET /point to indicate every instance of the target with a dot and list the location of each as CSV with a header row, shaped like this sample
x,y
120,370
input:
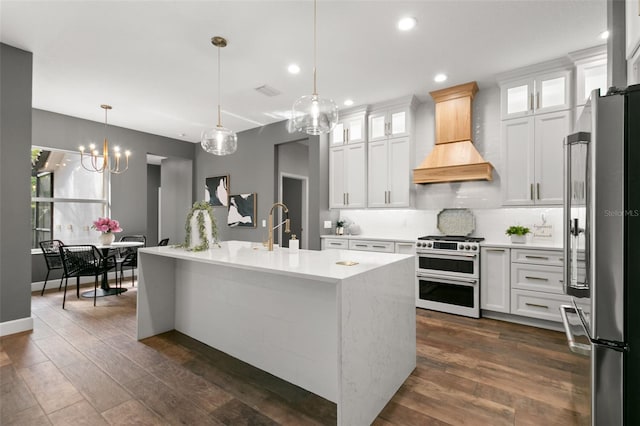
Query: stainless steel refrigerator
x,y
602,250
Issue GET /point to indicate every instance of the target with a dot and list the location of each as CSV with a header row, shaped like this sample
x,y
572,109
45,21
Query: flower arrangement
x,y
106,225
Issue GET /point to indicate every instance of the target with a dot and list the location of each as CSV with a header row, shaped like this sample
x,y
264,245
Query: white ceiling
x,y
154,63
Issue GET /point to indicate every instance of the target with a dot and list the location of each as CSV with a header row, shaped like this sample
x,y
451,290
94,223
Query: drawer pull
x,y
535,305
536,257
336,244
537,278
499,250
382,247
360,245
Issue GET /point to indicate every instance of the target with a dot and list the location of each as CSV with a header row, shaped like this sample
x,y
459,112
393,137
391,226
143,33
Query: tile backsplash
x,y
490,223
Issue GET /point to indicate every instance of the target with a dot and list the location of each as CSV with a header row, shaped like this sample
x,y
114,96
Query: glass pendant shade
x,y
314,115
219,141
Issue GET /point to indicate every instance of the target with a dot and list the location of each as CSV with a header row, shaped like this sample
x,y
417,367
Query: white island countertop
x,y
318,265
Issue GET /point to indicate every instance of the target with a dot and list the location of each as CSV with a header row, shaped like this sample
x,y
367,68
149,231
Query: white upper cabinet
x,y
533,154
389,173
536,94
350,129
347,176
591,72
394,122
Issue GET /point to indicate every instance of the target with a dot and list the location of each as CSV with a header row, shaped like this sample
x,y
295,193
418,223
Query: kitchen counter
x,y
527,245
346,333
378,237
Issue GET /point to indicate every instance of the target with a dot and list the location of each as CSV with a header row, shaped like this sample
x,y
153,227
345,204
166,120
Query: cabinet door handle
x,y
531,191
535,305
537,100
536,257
538,190
389,202
348,135
498,250
537,278
347,198
344,135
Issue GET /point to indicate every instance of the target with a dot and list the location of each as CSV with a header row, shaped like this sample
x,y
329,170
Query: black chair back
x,y
51,252
163,242
81,260
125,251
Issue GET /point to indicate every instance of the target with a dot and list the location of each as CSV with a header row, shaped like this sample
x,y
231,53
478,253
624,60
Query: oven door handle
x,y
448,280
446,255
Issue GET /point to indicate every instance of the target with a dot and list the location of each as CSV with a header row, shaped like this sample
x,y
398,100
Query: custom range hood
x,y
454,158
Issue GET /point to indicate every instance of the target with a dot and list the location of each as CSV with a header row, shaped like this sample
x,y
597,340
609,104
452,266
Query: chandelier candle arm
x,y
95,154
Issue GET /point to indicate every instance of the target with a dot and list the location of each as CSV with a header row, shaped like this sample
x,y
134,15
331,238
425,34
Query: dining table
x,y
105,289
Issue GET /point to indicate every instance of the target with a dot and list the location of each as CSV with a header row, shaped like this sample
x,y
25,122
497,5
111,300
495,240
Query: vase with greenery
x,y
518,233
202,231
340,227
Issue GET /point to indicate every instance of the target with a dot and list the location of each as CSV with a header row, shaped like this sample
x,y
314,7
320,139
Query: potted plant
x,y
340,227
202,231
517,233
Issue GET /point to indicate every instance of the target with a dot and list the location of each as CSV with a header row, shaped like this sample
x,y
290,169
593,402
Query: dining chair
x,y
84,261
163,242
51,252
128,256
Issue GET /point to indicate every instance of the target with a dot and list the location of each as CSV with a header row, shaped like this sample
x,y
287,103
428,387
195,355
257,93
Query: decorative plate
x,y
458,222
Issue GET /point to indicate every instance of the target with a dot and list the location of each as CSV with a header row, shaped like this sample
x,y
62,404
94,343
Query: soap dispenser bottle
x,y
294,243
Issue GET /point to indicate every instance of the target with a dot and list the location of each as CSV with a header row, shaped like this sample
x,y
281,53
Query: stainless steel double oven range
x,y
448,274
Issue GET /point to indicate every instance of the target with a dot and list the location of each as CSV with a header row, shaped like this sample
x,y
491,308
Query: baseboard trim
x,y
55,282
16,326
533,322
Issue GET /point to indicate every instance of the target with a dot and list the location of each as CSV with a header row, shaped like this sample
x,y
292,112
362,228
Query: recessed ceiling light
x,y
293,69
348,102
439,78
604,35
405,24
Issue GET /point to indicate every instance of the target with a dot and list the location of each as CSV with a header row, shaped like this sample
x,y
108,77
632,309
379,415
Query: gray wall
x,y
176,197
15,153
153,183
253,168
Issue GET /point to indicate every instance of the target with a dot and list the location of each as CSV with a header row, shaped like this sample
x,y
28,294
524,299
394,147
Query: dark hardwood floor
x,y
83,365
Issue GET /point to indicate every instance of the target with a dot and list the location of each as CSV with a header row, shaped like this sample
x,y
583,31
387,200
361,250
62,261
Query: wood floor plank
x,y
174,407
80,413
96,386
59,351
132,412
22,350
114,363
15,396
49,386
236,412
32,416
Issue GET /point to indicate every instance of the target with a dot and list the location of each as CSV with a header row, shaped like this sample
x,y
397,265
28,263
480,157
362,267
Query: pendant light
x,y
219,140
312,114
103,162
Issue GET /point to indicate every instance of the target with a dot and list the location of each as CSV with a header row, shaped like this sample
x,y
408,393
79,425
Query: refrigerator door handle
x,y
609,344
579,348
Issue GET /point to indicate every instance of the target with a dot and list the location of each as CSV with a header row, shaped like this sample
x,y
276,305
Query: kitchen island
x,y
345,333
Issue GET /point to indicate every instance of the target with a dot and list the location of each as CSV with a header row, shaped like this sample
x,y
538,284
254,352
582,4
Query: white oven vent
x,y
267,90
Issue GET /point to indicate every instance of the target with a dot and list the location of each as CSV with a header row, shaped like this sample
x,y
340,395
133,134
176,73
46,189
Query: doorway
x,y
293,191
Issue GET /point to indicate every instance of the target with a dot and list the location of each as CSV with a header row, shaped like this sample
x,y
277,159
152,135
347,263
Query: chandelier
x,y
312,114
219,140
108,164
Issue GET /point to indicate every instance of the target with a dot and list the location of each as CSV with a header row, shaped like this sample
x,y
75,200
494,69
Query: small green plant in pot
x,y
340,227
517,233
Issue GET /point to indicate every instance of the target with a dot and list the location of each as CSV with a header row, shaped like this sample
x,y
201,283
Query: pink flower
x,y
104,224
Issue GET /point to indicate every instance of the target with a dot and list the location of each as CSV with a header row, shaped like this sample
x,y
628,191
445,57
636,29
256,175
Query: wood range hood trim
x,y
454,158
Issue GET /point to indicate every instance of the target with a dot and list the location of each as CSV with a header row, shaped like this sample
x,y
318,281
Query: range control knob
x,y
429,245
474,247
467,247
460,246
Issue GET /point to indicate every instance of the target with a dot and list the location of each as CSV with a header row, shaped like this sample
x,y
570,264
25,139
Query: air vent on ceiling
x,y
268,90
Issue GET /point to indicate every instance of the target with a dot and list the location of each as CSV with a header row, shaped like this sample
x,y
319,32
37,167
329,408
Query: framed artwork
x,y
216,190
242,210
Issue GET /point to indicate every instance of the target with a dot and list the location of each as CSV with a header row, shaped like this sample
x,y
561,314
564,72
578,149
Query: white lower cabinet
x,y
364,245
495,290
525,282
346,243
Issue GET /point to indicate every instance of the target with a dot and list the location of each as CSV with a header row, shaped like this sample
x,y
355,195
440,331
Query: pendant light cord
x,y
219,115
315,48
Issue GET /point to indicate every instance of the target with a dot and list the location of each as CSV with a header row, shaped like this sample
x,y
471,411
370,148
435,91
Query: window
x,y
65,198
